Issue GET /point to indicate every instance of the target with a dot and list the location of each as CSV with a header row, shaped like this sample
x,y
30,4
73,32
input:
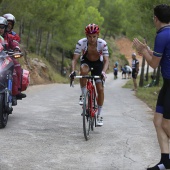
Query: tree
x,y
93,16
141,82
112,13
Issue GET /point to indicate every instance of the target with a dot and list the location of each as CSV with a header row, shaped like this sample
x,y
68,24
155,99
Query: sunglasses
x,y
2,26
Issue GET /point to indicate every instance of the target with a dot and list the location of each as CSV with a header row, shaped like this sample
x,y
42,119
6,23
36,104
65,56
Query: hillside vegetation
x,y
49,30
43,71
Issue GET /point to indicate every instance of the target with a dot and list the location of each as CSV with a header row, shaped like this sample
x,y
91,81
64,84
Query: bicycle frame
x,y
89,104
93,97
92,90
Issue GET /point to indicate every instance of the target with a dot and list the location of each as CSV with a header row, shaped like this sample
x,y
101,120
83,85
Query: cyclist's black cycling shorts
x,y
96,65
163,102
134,74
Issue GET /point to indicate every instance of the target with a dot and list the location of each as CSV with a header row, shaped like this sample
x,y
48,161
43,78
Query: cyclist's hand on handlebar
x,y
103,75
73,73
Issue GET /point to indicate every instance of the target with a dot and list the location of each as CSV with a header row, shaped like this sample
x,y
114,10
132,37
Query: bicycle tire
x,y
86,115
3,113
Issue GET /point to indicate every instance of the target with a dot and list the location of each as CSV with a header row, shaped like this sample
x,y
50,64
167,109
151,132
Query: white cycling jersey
x,y
134,63
82,45
128,68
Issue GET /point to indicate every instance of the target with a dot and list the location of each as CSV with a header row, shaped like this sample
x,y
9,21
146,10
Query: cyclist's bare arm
x,y
74,61
106,63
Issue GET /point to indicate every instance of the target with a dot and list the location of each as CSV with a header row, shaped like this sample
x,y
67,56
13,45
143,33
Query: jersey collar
x,y
162,28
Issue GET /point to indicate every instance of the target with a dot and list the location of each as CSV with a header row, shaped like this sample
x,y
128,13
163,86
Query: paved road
x,y
45,132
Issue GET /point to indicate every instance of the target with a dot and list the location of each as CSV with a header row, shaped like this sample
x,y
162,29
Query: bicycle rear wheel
x,y
86,115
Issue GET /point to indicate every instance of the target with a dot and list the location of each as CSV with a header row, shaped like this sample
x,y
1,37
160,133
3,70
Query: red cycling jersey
x,y
10,43
15,36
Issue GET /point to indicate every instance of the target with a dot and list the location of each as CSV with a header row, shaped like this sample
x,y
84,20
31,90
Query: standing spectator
x,y
160,56
135,70
115,71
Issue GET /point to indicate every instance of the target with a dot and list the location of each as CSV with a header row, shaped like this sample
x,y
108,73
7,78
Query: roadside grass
x,y
148,95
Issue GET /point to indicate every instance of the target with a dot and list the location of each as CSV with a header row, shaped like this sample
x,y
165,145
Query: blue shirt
x,y
115,69
162,49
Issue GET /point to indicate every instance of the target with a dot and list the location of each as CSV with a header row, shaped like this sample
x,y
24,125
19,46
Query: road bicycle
x,y
89,105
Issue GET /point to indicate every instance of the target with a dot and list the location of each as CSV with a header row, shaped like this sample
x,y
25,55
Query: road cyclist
x,y
93,53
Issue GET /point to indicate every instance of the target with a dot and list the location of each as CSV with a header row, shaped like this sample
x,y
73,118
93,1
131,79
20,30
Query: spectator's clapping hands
x,y
140,47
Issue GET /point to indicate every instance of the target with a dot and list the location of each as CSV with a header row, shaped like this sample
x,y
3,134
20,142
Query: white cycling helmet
x,y
134,54
9,17
3,21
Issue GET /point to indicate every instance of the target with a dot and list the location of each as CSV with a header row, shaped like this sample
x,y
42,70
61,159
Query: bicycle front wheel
x,y
86,115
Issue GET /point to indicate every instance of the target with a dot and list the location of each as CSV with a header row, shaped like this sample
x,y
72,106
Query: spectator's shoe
x,y
20,95
81,100
99,121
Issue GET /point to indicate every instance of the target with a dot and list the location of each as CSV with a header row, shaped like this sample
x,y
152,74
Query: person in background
x,y
10,44
135,70
123,69
160,56
115,71
11,22
128,71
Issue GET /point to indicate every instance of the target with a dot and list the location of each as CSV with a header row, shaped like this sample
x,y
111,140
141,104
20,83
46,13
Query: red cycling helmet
x,y
92,29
